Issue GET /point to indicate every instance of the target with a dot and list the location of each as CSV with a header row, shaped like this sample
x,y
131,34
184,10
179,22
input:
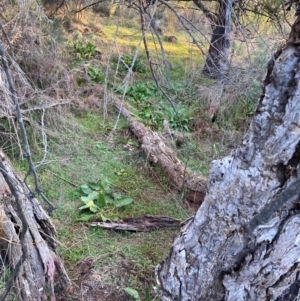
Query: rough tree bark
x,y
217,56
244,241
35,247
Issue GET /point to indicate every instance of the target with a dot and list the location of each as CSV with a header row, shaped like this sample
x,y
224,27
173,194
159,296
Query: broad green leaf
x,y
118,196
101,202
106,185
83,207
147,294
85,199
109,198
103,218
93,195
86,189
94,208
147,112
89,205
95,185
84,218
121,202
133,293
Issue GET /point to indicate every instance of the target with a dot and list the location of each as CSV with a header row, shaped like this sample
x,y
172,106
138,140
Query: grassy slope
x,y
89,151
87,155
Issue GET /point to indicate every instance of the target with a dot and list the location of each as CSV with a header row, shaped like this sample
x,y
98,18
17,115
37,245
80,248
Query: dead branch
x,y
159,153
89,5
141,224
29,238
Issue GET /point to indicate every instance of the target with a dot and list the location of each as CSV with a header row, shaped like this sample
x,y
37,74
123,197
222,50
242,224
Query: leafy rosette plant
x,y
99,202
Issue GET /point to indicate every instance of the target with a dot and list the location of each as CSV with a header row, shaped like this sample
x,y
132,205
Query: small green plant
x,y
127,63
120,172
84,51
141,91
95,74
179,119
251,97
142,94
133,293
138,66
261,54
100,202
151,115
147,294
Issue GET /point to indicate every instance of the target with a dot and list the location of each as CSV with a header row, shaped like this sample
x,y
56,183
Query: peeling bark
x,y
35,279
159,153
244,241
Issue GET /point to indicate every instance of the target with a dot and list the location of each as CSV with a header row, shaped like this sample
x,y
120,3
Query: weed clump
x,y
100,203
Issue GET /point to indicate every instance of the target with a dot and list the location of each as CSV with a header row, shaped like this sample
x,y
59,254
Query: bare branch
x,y
90,5
208,14
44,136
27,152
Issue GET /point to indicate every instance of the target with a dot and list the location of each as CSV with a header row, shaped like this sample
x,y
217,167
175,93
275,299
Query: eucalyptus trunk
x,y
216,64
244,241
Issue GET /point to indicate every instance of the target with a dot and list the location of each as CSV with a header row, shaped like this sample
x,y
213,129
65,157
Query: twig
x,y
89,5
45,106
58,8
162,50
71,183
7,39
45,144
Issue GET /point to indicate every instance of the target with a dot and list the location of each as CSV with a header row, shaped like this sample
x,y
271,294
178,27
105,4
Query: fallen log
x,y
141,224
27,241
159,153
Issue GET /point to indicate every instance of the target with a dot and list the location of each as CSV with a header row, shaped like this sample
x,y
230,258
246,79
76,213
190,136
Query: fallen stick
x,y
159,153
141,224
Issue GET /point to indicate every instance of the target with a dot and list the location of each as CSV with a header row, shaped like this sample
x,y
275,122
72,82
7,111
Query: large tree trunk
x,y
244,241
28,241
217,57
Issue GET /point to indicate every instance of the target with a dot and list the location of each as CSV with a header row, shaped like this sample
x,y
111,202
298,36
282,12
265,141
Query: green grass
x,y
128,37
88,151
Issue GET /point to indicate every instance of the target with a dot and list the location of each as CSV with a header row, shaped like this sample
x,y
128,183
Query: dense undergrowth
x,y
86,64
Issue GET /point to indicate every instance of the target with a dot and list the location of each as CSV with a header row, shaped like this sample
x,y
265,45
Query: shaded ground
x,y
88,285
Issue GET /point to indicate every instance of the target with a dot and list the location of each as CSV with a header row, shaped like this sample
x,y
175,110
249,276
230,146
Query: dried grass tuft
x,y
41,79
